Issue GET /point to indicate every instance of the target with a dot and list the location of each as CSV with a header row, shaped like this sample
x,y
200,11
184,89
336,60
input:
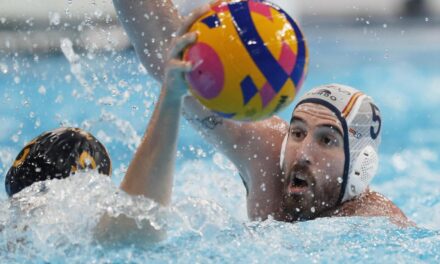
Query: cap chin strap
x,y
283,150
364,169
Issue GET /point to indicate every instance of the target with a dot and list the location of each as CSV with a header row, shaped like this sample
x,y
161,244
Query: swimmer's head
x,y
55,155
329,155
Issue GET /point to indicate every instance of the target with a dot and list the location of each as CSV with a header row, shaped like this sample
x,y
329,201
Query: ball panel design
x,y
207,78
257,60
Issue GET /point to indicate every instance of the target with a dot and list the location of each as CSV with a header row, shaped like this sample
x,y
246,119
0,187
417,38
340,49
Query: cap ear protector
x,y
361,123
364,170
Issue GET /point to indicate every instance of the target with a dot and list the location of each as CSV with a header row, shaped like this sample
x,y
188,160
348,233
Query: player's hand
x,y
176,67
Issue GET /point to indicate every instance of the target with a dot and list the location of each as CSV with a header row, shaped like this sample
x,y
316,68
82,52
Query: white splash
x,y
75,64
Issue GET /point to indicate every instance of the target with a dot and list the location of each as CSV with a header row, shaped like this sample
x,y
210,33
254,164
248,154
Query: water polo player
x,y
329,155
57,154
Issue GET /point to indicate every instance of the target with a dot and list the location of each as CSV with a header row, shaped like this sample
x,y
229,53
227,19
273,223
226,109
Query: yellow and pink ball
x,y
250,59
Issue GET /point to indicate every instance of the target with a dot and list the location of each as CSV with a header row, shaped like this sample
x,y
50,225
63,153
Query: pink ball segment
x,y
208,77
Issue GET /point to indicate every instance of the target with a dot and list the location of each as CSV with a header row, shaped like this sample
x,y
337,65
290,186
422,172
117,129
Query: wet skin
x,y
314,163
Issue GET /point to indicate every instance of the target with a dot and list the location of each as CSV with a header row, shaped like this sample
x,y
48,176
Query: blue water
x,y
113,97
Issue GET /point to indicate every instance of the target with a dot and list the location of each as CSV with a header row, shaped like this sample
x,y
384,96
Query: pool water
x,y
112,96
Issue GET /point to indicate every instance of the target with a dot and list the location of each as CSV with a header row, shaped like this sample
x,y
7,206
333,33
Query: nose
x,y
305,151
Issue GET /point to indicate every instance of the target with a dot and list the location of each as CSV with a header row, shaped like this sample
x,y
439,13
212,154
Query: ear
x,y
283,150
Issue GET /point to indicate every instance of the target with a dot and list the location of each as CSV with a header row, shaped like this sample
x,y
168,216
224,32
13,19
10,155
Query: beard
x,y
298,194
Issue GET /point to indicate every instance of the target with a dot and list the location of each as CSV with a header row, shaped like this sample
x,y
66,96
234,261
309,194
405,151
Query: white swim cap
x,y
361,122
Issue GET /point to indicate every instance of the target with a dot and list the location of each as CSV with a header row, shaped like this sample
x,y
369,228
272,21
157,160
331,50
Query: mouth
x,y
298,183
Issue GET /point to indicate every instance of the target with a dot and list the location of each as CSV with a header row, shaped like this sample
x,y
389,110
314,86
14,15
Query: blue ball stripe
x,y
298,71
255,46
212,21
249,89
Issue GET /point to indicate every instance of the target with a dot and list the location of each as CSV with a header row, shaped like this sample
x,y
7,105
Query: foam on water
x,y
56,220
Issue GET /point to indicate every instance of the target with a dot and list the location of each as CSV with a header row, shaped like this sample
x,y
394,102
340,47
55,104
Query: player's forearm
x,y
151,171
149,25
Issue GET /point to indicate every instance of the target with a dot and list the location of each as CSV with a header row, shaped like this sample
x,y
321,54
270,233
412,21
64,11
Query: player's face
x,y
314,163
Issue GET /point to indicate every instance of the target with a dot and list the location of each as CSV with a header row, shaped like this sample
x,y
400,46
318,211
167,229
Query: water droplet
x,y
200,153
54,18
98,13
15,138
68,78
42,90
59,99
3,68
87,161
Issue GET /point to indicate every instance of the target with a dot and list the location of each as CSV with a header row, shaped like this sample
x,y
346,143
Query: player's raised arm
x,y
151,170
239,141
151,25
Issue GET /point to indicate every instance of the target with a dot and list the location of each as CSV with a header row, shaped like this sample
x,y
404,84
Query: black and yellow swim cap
x,y
56,154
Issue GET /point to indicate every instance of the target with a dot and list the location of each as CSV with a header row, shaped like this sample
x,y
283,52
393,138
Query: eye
x,y
297,134
329,140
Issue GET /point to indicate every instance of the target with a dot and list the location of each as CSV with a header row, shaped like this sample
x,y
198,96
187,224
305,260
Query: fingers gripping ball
x,y
249,60
55,155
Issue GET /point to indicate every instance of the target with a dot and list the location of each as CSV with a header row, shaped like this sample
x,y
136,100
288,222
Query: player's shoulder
x,y
374,204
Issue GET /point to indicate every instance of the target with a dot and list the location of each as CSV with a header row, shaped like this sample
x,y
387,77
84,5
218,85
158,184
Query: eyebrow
x,y
297,119
332,127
